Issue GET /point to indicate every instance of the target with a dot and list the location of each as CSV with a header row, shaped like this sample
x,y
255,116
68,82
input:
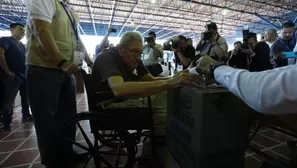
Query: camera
x,y
245,36
175,44
149,39
113,30
207,35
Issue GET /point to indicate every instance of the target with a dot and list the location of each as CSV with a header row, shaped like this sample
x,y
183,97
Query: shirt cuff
x,y
222,75
193,70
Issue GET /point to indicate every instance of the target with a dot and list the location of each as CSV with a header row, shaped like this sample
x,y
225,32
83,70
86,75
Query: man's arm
x,y
270,92
4,46
150,77
3,62
88,60
221,48
100,47
136,89
158,51
41,13
186,61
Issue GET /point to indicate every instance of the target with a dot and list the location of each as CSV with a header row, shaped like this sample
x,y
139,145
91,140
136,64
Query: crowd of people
x,y
131,69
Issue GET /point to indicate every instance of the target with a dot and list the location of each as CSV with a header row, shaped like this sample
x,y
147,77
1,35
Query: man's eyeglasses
x,y
135,53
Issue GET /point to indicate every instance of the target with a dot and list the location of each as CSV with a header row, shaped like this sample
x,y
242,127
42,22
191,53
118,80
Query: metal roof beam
x,y
150,15
174,35
82,30
169,11
273,5
267,21
295,20
227,8
149,29
112,13
165,34
4,25
161,15
161,30
134,7
91,15
6,19
168,15
14,14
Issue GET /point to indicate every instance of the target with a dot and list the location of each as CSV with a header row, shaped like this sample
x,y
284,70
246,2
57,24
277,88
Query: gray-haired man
x,y
121,70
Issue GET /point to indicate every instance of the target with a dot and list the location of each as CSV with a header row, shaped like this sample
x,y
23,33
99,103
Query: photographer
x,y
251,55
104,43
212,44
151,54
184,53
237,57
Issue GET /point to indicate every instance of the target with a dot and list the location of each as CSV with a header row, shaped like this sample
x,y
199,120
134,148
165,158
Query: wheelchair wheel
x,y
102,157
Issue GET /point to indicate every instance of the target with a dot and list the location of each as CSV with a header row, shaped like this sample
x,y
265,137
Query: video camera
x,y
207,35
174,44
149,39
245,36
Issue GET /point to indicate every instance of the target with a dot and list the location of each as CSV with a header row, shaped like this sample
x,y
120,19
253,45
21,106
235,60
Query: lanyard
x,y
249,62
72,20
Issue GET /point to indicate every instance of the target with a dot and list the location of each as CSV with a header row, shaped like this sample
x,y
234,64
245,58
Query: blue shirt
x,y
14,54
280,46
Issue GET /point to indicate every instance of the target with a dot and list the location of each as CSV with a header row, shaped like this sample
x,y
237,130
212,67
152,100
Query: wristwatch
x,y
61,63
212,68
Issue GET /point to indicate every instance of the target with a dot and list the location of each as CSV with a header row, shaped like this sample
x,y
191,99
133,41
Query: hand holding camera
x,y
248,50
150,41
175,43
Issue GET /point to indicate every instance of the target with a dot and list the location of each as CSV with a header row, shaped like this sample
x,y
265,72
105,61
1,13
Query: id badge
x,y
145,56
79,57
180,67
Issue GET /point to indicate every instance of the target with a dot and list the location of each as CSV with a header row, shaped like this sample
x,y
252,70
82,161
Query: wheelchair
x,y
111,128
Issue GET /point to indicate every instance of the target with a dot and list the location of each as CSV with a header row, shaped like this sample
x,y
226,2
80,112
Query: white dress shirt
x,y
271,92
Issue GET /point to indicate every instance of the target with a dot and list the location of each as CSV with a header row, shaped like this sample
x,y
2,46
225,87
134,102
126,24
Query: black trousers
x,y
155,69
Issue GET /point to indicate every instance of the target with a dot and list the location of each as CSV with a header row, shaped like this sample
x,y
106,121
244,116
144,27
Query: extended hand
x,y
10,74
184,78
203,64
248,51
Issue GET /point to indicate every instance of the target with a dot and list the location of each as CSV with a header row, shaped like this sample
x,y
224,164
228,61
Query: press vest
x,y
64,37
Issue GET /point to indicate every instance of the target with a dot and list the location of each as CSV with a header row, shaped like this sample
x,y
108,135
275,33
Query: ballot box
x,y
207,128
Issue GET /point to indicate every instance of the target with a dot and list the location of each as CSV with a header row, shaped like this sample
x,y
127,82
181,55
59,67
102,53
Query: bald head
x,y
270,35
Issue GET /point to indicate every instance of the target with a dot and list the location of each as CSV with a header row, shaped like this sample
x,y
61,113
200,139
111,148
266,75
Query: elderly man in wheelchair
x,y
124,83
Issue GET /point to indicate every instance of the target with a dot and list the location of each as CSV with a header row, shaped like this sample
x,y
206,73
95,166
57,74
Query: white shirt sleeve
x,y
40,9
271,92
